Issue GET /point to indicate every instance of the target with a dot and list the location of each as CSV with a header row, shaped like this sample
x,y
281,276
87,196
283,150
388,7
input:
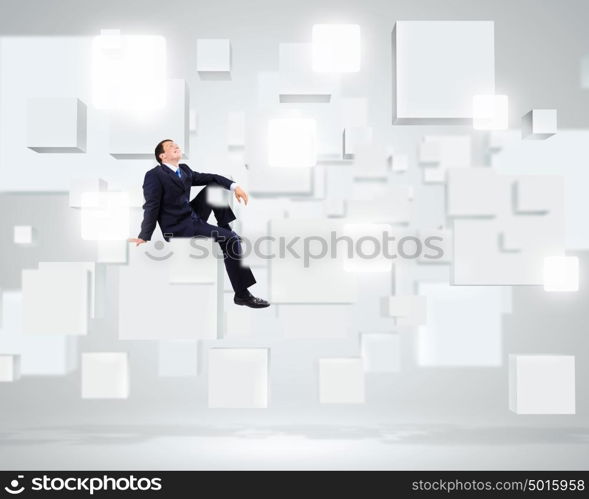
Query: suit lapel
x,y
179,182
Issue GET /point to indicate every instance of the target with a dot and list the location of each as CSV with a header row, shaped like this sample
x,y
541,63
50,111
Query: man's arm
x,y
152,191
199,178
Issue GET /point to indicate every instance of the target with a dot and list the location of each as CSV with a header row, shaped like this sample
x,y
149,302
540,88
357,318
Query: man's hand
x,y
240,194
135,240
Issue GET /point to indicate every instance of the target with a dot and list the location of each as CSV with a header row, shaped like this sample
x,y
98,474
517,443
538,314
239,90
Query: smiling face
x,y
172,153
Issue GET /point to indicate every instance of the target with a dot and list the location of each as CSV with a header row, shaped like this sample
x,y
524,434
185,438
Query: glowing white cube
x,y
561,273
336,48
105,375
490,112
292,142
128,71
105,216
9,368
23,234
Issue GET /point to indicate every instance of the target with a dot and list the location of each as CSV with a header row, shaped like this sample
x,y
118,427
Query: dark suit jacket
x,y
167,199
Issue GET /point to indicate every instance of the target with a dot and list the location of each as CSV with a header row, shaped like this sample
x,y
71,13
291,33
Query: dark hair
x,y
160,149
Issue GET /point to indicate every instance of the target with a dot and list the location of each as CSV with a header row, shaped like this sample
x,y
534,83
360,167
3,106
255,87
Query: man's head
x,y
167,151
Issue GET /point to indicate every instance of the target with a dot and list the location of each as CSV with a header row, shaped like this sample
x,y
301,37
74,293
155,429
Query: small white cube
x,y
24,234
341,381
490,112
539,124
561,273
542,384
105,375
292,142
213,55
336,48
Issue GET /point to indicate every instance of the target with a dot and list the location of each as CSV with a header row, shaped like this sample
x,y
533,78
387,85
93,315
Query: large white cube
x,y
542,384
539,124
438,67
561,273
341,381
336,48
105,375
292,142
213,55
56,125
238,377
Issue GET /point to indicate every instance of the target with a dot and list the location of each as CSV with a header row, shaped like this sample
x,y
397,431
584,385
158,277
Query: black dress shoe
x,y
250,301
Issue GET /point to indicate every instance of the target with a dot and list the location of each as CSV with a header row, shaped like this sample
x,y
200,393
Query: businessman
x,y
166,189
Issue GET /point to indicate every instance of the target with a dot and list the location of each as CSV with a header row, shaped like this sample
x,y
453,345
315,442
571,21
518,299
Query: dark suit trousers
x,y
241,276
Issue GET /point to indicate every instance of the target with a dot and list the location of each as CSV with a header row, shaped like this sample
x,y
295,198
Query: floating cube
x,y
490,112
55,300
438,66
561,273
24,235
292,142
354,138
105,216
542,384
9,368
381,352
238,377
128,72
539,124
105,375
400,162
56,125
336,48
341,381
177,358
213,55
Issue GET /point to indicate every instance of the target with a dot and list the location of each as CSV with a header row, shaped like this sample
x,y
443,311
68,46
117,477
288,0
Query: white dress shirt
x,y
233,186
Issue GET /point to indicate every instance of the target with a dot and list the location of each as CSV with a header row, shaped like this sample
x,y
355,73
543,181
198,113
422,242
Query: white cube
x,y
9,368
128,72
542,384
105,375
336,48
24,234
55,300
381,352
238,377
341,381
292,142
438,67
409,310
490,112
539,124
213,55
56,124
561,273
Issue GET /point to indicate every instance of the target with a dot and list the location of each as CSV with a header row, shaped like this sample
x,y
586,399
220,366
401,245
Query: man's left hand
x,y
240,194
